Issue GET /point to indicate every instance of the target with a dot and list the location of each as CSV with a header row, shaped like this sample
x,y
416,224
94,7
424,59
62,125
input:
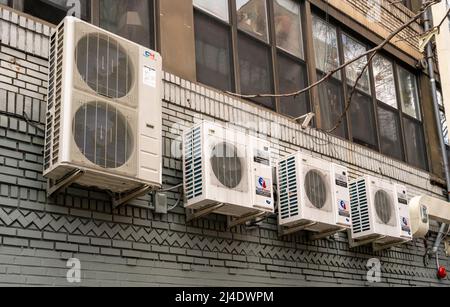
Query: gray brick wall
x,y
135,247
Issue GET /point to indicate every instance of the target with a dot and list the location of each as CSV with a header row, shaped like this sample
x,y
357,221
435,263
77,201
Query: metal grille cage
x,y
104,65
103,134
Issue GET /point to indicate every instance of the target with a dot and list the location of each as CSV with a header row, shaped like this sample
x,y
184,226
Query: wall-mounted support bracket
x,y
196,214
356,243
123,199
377,247
54,186
233,222
325,234
285,231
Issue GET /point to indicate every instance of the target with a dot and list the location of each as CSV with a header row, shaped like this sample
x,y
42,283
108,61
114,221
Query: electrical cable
x,y
26,118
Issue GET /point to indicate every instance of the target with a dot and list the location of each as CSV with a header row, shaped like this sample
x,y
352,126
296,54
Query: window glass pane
x,y
288,26
325,46
362,120
4,2
408,93
332,105
255,72
390,136
292,77
218,8
444,127
440,98
353,49
383,73
212,51
54,11
252,17
132,19
415,144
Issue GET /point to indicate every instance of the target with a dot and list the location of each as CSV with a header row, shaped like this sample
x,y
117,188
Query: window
x,y
236,51
288,28
213,52
327,58
54,11
5,2
443,117
383,74
255,69
353,49
409,96
385,110
132,19
252,18
292,77
415,144
217,8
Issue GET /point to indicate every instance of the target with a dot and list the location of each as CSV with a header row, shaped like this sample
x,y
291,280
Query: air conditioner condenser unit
x,y
223,166
103,109
314,193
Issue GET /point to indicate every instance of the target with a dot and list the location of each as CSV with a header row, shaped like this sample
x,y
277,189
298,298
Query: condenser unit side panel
x,y
261,175
403,205
150,117
340,194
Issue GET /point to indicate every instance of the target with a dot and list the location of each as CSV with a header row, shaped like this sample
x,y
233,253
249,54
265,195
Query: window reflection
x,y
288,26
252,18
384,81
128,18
408,93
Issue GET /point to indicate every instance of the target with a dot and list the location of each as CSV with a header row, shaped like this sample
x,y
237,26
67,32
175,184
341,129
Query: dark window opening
x,y
255,69
390,133
415,144
292,77
363,120
54,11
213,53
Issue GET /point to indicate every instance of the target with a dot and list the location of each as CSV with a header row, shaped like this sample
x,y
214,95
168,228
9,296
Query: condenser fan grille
x,y
103,135
383,206
316,189
227,165
104,65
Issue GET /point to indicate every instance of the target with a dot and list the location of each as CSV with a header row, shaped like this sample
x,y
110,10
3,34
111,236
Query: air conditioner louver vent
x,y
359,206
193,164
288,206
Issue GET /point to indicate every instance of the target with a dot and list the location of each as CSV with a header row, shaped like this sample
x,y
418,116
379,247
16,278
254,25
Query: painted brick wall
x,y
136,247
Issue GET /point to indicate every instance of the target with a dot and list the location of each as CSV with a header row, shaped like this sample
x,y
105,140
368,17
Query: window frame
x,y
271,45
94,18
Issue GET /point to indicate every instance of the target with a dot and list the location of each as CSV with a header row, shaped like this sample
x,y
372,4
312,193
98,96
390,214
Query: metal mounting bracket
x,y
284,231
193,214
123,199
377,247
324,234
353,243
233,222
54,186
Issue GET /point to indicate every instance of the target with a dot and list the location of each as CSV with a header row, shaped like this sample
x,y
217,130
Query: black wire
x,y
25,118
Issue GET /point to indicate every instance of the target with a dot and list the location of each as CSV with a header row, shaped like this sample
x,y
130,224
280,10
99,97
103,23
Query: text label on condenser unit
x,y
262,157
341,180
149,76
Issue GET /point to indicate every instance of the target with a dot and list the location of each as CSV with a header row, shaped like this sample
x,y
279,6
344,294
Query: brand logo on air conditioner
x,y
262,183
149,55
404,221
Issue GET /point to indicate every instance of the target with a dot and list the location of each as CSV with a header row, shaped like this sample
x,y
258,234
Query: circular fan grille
x,y
316,189
104,65
103,135
227,165
383,206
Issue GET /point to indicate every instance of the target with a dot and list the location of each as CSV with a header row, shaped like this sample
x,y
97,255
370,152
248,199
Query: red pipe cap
x,y
442,272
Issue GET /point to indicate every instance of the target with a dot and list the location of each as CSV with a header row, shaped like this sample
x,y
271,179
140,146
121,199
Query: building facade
x,y
210,47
